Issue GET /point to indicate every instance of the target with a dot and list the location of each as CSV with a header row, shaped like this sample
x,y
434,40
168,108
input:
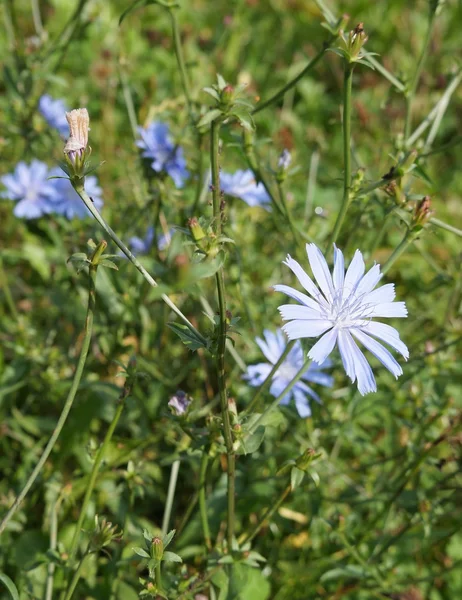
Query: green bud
x,y
198,234
157,548
227,95
305,459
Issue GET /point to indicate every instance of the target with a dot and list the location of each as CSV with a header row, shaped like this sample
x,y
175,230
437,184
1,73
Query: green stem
x,y
170,496
92,481
446,226
347,86
53,544
203,501
6,290
128,102
264,386
72,392
76,577
91,207
37,18
293,228
415,80
400,249
221,342
313,62
180,60
285,391
158,572
248,537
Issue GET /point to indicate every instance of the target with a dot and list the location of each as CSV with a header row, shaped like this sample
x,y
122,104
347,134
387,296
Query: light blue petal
x,y
295,311
354,274
369,281
320,271
304,280
363,371
300,329
302,404
346,355
323,347
388,309
381,353
385,293
299,296
387,334
339,269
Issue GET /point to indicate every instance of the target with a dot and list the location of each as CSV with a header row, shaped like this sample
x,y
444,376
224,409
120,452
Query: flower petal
x,y
354,274
379,351
347,357
302,404
339,269
387,334
369,281
307,328
270,346
321,350
304,280
320,271
299,296
385,293
256,374
387,309
295,311
363,371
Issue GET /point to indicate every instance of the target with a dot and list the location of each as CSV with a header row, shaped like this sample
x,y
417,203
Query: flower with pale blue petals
x,y
341,311
54,113
143,245
242,184
156,145
30,188
273,346
65,201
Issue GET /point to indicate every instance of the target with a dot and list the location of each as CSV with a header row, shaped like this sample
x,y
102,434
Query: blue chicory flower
x,y
143,245
342,310
272,346
54,112
242,184
64,200
29,187
156,144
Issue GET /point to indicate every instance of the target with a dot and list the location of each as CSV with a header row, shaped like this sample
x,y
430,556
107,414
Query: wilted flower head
x,y
343,309
54,112
29,186
156,144
103,534
179,403
242,184
64,200
423,211
272,346
76,145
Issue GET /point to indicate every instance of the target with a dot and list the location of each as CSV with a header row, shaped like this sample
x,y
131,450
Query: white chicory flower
x,y
341,311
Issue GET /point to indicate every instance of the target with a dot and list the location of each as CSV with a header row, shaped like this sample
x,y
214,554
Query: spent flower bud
x,y
422,213
103,534
77,149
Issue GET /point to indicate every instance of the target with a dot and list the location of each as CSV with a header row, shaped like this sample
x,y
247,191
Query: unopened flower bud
x,y
232,408
157,548
179,403
198,234
305,459
227,95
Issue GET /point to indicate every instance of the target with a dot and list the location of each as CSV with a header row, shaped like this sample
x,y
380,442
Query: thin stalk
x,y
248,537
407,240
311,187
221,342
76,577
53,544
37,18
129,102
72,392
381,69
446,226
203,501
7,292
285,391
293,228
180,60
91,207
170,496
415,80
264,386
347,86
158,572
92,481
313,62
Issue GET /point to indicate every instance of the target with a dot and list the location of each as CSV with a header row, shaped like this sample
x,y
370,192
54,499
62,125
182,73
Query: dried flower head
x,y
79,125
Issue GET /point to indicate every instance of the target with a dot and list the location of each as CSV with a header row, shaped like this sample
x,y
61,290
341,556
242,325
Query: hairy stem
x,y
72,392
221,342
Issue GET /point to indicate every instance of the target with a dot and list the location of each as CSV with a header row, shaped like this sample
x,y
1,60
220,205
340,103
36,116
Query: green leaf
x,y
78,257
188,338
212,92
141,552
246,582
171,557
108,263
221,82
9,586
168,537
209,116
206,268
350,572
250,444
296,477
244,118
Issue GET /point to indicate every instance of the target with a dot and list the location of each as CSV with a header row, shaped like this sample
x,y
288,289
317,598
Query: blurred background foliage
x,y
384,519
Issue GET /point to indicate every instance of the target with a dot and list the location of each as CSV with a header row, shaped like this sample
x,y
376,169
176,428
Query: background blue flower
x,y
64,200
242,184
29,187
143,245
272,347
54,112
156,144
